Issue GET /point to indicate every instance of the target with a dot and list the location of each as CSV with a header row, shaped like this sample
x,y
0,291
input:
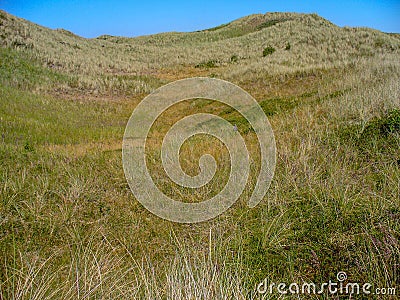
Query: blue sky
x,y
91,18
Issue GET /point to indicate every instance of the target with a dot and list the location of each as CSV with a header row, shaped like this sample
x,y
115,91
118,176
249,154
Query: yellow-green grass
x,y
71,228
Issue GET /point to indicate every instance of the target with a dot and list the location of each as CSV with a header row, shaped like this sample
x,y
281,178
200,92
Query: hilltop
x,y
301,41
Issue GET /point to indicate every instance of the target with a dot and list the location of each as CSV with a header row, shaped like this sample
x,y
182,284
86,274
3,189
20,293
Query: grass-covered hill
x,y
71,229
301,42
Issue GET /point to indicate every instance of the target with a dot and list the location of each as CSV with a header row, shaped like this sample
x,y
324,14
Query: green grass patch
x,y
381,134
19,70
34,119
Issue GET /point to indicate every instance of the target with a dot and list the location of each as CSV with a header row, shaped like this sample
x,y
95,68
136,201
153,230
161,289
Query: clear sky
x,y
91,18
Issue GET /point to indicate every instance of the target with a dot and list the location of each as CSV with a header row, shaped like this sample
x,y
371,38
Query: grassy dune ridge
x,y
69,225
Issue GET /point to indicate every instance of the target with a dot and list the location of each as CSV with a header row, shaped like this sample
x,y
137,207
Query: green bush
x,y
268,51
28,147
390,123
207,64
268,24
287,46
234,58
381,133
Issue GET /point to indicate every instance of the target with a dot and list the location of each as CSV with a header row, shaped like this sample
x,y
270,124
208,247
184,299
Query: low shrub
x,y
268,51
207,64
234,58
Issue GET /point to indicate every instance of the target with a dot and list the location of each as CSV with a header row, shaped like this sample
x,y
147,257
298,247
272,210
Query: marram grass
x,y
71,228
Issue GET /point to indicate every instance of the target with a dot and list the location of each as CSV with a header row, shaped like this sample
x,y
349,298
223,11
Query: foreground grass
x,y
71,229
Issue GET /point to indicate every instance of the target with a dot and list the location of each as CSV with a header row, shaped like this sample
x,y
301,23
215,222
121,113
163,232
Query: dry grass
x,y
70,228
115,64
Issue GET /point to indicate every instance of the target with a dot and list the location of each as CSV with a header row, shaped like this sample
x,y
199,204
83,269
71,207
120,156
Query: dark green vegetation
x,y
71,229
268,51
